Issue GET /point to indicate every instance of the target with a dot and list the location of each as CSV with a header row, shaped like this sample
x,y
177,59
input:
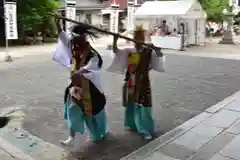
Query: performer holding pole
x,y
84,99
137,61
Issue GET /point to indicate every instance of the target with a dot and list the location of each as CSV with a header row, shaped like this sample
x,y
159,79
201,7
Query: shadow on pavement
x,y
111,148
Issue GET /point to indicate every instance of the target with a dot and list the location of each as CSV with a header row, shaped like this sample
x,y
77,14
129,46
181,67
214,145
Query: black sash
x,y
98,98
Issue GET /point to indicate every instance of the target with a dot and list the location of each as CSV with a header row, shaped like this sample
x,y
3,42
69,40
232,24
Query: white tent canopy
x,y
181,8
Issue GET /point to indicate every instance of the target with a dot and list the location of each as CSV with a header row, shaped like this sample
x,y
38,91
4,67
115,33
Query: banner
x,y
114,20
10,13
130,16
70,13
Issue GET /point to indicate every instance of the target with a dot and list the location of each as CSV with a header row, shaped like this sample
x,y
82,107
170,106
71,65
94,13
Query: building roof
x,y
124,3
100,4
87,4
181,8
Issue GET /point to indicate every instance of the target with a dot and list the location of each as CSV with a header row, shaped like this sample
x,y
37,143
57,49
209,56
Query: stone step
x,y
22,145
213,133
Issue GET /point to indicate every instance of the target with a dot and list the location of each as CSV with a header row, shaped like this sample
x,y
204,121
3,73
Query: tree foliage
x,y
32,14
214,9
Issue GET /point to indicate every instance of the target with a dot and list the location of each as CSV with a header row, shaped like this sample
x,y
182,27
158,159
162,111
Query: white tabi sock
x,y
68,141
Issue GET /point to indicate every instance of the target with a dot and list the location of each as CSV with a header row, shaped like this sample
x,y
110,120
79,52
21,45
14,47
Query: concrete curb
x,y
215,108
229,56
24,146
173,134
39,50
13,151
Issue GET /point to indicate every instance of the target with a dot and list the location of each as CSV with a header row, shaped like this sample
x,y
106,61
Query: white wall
x,y
191,31
196,31
201,31
95,16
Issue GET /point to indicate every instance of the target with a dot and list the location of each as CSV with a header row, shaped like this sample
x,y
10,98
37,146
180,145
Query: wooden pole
x,y
106,32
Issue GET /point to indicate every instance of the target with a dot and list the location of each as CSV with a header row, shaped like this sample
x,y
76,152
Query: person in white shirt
x,y
174,33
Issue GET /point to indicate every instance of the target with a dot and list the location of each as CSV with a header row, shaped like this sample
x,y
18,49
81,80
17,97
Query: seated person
x,y
174,33
164,28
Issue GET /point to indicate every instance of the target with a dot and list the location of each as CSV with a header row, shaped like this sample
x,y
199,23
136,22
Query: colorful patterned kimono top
x,y
93,100
136,66
137,85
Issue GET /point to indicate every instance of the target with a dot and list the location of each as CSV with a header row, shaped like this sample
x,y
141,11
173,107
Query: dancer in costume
x,y
84,99
137,61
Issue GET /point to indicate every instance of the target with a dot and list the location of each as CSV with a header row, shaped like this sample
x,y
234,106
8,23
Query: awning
x,y
183,8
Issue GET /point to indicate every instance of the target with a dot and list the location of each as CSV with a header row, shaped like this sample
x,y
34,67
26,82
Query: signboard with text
x,y
70,13
130,16
114,21
10,13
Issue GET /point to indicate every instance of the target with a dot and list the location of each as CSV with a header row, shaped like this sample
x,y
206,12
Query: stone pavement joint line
x,y
11,151
43,49
22,145
212,135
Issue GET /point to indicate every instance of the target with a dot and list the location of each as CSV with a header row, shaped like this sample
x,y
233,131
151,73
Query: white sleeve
x,y
64,37
94,74
92,64
63,53
119,63
157,63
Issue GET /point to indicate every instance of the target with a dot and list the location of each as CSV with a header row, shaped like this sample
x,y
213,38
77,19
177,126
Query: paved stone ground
x,y
45,48
6,156
190,85
211,49
212,135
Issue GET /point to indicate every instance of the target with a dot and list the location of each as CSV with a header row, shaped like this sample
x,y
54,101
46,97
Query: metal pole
x,y
8,57
182,36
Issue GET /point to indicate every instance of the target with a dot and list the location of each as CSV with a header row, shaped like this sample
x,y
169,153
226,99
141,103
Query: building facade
x,y
97,12
88,10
